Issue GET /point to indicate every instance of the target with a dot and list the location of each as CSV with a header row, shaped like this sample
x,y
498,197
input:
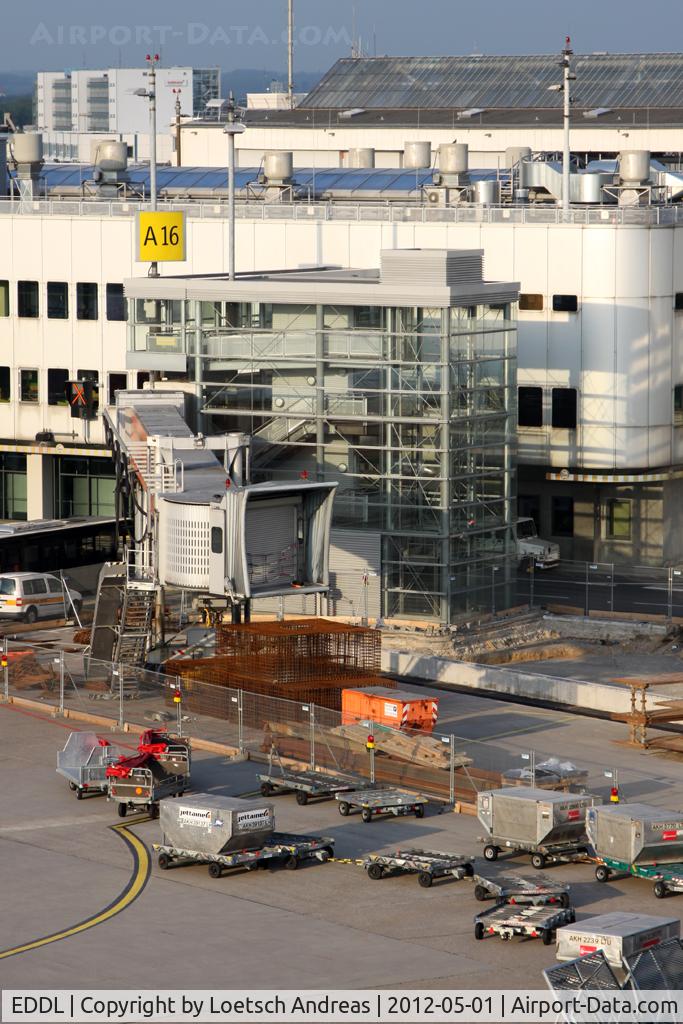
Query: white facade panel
x,y
598,264
565,259
632,279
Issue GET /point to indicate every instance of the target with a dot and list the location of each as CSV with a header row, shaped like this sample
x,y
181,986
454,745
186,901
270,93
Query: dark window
x,y
5,392
678,405
564,407
678,301
57,300
216,540
56,387
116,303
530,408
143,377
4,298
565,303
28,385
88,375
529,506
117,382
562,517
86,300
27,299
530,300
619,519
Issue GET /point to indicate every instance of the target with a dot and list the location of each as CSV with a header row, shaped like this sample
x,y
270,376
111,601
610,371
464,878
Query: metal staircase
x,y
134,629
268,440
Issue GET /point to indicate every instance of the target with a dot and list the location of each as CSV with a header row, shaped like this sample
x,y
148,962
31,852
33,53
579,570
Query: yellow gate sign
x,y
161,237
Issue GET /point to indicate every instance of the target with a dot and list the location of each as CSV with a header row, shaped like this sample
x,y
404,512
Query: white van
x,y
35,595
545,554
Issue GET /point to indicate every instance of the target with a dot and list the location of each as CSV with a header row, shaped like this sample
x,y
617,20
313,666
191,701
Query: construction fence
x,y
439,764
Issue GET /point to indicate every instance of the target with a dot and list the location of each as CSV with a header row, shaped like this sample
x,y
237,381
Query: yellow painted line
x,y
137,882
346,860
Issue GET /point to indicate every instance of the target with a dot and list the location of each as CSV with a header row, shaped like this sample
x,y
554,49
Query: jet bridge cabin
x,y
257,540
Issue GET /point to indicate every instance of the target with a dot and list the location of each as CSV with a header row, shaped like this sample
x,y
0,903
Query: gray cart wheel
x,y
480,893
469,870
548,937
292,863
79,793
153,810
375,872
266,789
538,861
602,873
122,810
302,798
420,811
343,808
571,917
215,869
479,930
564,900
73,787
328,851
425,879
491,853
366,815
164,861
660,890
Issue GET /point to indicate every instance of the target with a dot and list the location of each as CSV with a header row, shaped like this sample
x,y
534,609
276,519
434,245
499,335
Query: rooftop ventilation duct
x,y
634,177
417,155
361,157
27,154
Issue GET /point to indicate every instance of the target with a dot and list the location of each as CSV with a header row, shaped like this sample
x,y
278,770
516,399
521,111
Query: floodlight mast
x,y
290,54
233,126
567,77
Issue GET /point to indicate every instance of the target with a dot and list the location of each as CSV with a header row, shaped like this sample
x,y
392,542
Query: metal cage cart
x,y
84,761
305,784
518,889
372,802
161,768
531,921
428,865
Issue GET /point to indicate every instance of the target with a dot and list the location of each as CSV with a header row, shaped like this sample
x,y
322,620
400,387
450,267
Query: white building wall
x,y
623,350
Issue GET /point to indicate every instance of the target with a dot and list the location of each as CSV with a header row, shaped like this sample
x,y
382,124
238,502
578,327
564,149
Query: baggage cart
x,y
636,834
548,826
373,802
281,847
517,889
83,762
666,878
618,935
160,769
305,784
426,864
531,921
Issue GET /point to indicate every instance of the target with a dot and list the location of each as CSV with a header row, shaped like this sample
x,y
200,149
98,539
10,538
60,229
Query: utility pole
x,y
151,95
178,131
290,54
232,128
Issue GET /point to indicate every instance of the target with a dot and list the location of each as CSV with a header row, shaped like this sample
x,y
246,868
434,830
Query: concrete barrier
x,y
578,693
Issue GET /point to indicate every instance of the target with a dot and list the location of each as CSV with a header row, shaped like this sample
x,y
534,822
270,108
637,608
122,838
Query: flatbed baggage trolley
x,y
84,761
517,889
281,847
541,855
427,864
530,922
666,878
306,784
372,802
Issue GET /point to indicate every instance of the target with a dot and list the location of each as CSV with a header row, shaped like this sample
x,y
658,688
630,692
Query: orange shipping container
x,y
396,708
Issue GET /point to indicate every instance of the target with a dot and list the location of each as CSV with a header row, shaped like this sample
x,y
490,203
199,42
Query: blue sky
x,y
56,34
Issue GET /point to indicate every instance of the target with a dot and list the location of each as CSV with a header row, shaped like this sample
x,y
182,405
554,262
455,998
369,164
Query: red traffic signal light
x,y
370,743
614,795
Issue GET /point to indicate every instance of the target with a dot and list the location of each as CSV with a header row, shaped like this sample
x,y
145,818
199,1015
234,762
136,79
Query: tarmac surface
x,y
323,926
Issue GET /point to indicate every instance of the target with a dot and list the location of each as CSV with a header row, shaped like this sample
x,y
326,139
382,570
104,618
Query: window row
x,y
57,300
561,303
563,407
29,384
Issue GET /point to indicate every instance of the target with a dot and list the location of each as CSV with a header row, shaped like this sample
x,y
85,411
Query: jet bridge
x,y
198,523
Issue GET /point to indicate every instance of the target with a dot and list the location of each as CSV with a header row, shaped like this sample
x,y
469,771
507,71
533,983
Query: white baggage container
x,y
618,935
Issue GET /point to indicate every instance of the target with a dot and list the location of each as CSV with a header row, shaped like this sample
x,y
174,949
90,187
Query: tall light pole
x,y
567,77
290,54
151,95
233,127
178,129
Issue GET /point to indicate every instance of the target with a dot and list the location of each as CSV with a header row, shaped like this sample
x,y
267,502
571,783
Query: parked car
x,y
33,595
